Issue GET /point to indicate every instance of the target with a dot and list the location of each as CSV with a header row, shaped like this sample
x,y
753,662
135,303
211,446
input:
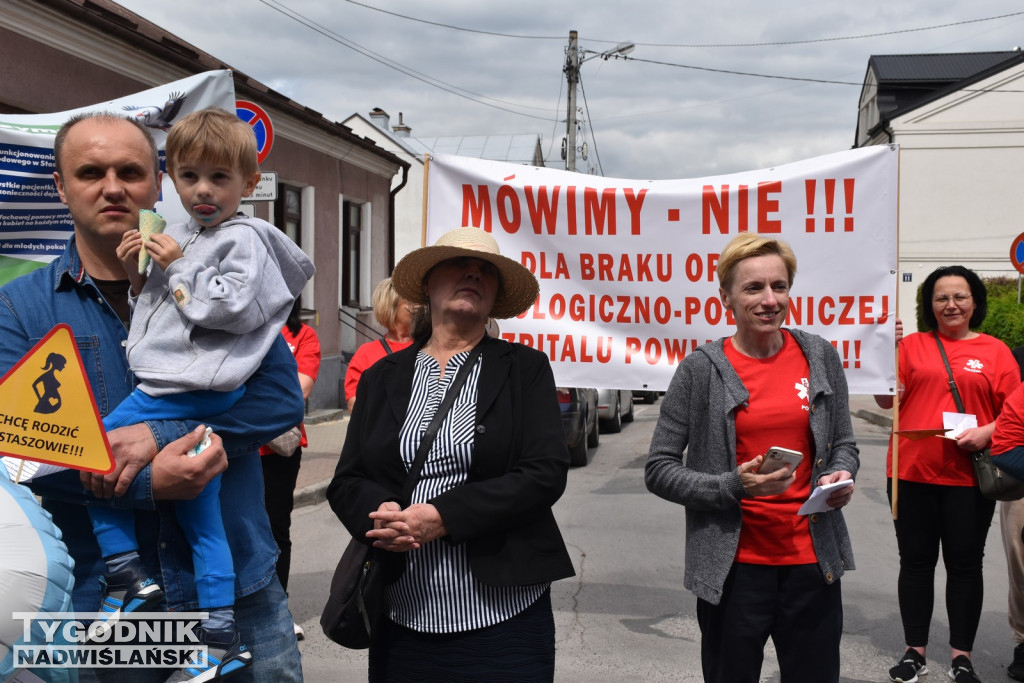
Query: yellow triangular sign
x,y
47,410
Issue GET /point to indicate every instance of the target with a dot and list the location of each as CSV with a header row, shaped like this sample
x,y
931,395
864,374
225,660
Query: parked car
x,y
645,396
614,406
579,420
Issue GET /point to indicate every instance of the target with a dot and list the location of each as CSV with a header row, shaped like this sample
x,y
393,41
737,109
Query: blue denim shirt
x,y
30,306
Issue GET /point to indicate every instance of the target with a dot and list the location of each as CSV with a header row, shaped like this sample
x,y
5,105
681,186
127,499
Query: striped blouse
x,y
438,593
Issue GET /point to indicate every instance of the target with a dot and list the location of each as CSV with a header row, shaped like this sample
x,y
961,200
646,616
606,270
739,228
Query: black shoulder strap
x,y
384,343
949,372
435,424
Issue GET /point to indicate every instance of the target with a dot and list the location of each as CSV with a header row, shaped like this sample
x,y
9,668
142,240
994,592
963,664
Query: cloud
x,y
648,120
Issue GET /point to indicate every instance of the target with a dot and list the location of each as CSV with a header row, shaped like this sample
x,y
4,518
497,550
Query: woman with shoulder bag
x,y
471,556
939,501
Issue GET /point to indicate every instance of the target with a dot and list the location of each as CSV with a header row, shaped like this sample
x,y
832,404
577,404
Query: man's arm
x,y
174,475
272,404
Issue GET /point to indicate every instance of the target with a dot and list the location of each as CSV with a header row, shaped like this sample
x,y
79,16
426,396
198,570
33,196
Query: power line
x,y
454,28
739,73
800,79
593,135
554,128
835,38
692,45
480,98
391,64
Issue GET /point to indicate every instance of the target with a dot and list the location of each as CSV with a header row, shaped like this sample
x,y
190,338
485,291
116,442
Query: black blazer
x,y
520,463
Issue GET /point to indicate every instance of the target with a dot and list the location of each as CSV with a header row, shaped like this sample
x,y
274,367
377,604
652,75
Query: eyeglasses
x,y
958,299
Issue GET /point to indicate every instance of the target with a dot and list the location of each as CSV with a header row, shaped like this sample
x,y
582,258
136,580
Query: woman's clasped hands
x,y
397,530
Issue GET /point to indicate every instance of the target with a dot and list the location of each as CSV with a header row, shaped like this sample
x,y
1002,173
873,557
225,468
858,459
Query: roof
x,y
516,149
935,67
907,82
402,142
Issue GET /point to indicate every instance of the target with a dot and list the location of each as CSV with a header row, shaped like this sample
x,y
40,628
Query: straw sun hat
x,y
518,288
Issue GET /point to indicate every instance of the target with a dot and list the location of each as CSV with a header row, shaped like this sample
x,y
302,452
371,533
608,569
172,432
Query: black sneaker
x,y
909,667
962,671
222,658
125,592
1016,669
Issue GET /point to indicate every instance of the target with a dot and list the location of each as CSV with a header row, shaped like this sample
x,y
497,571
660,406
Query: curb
x,y
874,418
312,494
320,416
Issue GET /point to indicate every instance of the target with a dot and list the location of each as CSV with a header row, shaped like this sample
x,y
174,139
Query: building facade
x,y
959,122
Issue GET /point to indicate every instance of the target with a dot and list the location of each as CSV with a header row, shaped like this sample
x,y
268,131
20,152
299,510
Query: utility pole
x,y
572,74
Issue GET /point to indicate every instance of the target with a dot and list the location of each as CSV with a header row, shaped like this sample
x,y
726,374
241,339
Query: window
x,y
352,227
288,212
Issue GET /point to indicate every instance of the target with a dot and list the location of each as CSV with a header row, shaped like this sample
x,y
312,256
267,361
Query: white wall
x,y
961,178
409,201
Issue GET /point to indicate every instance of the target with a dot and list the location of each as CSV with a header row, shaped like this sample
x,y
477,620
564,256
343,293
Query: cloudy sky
x,y
684,105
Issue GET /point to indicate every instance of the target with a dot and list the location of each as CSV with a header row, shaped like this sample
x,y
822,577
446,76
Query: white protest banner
x,y
34,225
627,267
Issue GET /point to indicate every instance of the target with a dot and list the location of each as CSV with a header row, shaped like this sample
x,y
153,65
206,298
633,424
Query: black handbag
x,y
355,604
992,481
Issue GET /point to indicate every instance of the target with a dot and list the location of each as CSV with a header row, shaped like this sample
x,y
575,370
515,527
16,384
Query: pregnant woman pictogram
x,y
49,398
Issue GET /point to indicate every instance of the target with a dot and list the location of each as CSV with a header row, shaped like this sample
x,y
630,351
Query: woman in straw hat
x,y
474,551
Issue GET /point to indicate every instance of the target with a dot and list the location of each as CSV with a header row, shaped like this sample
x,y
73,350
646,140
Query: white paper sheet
x,y
958,423
818,502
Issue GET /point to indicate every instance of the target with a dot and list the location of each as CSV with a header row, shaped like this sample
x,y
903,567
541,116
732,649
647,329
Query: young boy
x,y
218,290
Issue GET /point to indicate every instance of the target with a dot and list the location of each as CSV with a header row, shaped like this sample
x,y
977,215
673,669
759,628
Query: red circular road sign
x,y
1017,253
254,115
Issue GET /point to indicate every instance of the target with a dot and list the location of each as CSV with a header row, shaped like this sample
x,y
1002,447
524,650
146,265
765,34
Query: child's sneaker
x,y
910,666
225,654
123,593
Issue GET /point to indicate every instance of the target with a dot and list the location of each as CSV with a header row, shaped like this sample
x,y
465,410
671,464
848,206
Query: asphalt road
x,y
626,617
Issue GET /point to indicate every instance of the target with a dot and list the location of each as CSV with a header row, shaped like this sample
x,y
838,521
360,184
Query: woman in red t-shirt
x,y
280,472
939,503
760,569
395,314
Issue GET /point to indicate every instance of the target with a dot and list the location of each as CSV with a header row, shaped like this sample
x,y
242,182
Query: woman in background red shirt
x,y
939,502
281,472
395,314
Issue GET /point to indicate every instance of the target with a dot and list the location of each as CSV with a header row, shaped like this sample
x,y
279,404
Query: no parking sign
x,y
1017,253
254,115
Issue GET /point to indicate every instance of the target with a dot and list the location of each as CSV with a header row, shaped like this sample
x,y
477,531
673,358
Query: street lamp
x,y
572,75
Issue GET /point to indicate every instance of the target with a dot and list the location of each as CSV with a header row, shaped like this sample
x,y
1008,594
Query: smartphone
x,y
776,457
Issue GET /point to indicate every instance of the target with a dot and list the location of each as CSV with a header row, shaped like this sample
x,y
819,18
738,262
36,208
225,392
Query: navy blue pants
x,y
519,649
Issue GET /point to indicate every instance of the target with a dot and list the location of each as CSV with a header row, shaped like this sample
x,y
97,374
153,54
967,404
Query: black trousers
x,y
957,518
793,605
279,476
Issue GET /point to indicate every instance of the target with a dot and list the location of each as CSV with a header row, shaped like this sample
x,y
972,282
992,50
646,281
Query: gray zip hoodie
x,y
208,320
698,417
